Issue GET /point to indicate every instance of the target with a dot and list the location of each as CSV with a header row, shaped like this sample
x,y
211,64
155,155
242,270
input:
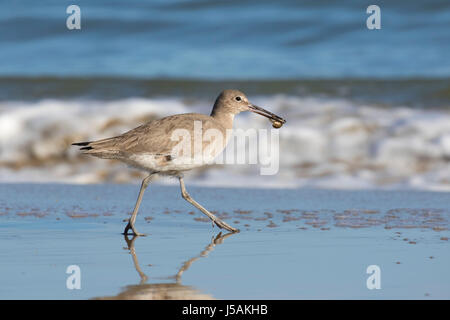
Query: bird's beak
x,y
265,113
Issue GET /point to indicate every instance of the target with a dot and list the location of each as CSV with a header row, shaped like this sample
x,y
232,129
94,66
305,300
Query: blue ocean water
x,y
245,39
365,108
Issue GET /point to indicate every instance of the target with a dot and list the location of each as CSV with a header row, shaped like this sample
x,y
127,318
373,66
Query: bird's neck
x,y
224,118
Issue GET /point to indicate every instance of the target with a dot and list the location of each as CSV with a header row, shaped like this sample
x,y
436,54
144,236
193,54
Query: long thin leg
x,y
217,221
132,220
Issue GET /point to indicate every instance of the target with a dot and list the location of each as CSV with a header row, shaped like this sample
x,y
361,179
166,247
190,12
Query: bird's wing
x,y
157,137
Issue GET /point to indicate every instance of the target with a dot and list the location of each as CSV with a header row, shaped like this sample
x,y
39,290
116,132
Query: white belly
x,y
159,163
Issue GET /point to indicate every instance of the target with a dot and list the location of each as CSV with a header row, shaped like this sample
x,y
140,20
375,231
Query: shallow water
x,y
293,243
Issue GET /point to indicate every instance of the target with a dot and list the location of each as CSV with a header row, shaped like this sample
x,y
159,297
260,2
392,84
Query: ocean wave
x,y
326,143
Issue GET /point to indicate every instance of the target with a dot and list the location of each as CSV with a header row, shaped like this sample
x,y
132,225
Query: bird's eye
x,y
238,98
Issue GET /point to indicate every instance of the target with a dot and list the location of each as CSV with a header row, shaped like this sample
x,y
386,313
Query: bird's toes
x,y
225,226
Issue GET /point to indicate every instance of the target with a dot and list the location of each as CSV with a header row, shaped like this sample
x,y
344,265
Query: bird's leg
x,y
132,220
217,221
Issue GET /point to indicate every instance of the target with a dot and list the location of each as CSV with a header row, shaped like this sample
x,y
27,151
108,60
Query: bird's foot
x,y
134,231
135,234
223,225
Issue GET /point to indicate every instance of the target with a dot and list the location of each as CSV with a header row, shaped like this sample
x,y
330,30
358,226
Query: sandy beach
x,y
293,244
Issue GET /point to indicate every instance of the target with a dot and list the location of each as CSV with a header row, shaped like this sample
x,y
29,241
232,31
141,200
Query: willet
x,y
150,147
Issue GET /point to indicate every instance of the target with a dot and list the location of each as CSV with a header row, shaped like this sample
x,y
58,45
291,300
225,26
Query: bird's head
x,y
235,101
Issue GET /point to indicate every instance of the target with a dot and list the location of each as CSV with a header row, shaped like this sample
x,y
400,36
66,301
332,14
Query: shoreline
x,y
312,243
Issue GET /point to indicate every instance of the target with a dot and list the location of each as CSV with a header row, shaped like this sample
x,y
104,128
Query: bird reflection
x,y
165,291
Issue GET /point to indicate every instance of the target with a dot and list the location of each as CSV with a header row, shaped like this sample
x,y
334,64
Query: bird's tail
x,y
104,148
85,145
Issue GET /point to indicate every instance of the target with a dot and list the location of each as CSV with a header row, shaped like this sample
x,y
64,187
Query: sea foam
x,y
326,142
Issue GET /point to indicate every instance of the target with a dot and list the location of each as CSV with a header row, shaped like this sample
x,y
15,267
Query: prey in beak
x,y
277,122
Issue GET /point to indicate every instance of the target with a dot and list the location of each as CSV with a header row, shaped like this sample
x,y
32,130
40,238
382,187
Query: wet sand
x,y
293,244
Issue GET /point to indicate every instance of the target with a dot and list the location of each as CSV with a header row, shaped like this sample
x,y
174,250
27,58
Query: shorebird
x,y
150,147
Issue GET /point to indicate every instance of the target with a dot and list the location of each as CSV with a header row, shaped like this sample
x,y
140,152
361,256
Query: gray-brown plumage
x,y
153,139
151,147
